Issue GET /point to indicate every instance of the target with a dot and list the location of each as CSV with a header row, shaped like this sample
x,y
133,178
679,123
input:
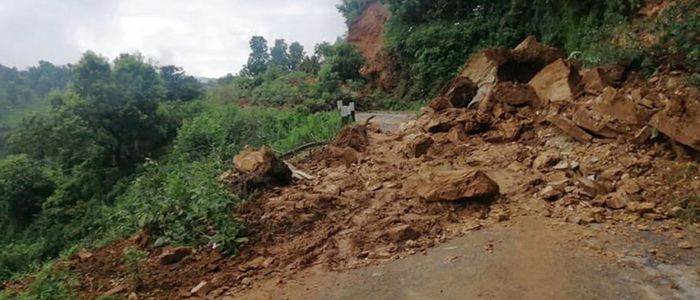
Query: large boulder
x,y
483,69
455,186
515,94
595,80
532,51
613,114
559,81
680,120
256,168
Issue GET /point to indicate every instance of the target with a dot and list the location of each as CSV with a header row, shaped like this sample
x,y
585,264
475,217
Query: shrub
x,y
51,282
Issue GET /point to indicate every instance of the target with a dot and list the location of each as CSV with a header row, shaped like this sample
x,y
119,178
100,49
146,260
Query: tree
x,y
296,56
259,57
24,186
345,61
179,85
310,65
280,55
121,104
323,51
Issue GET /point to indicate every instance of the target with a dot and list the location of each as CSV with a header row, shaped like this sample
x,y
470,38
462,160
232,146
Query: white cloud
x,y
206,37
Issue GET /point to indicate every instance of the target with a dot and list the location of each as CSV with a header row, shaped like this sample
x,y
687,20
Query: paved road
x,y
388,120
528,258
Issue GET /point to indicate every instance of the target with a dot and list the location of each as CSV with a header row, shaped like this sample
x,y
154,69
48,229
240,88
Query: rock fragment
x,y
457,94
455,186
570,128
557,82
515,94
418,146
595,80
680,121
173,255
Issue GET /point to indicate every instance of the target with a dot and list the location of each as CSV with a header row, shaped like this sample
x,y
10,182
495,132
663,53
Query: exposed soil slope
x,y
367,34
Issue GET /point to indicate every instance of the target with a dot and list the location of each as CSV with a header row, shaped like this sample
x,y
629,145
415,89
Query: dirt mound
x,y
353,136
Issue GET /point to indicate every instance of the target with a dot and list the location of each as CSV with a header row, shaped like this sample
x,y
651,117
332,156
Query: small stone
x,y
546,160
562,165
401,233
502,217
202,289
174,255
550,193
615,203
685,245
246,281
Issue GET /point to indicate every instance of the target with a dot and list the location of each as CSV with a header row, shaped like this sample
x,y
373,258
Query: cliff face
x,y
367,34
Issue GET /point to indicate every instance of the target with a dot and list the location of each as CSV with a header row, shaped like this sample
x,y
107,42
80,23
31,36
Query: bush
x,y
51,282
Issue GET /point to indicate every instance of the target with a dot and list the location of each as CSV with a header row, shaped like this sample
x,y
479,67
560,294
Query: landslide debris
x,y
253,169
519,132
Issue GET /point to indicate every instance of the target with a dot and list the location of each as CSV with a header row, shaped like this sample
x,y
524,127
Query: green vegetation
x,y
284,76
128,146
51,282
132,260
429,41
24,92
690,209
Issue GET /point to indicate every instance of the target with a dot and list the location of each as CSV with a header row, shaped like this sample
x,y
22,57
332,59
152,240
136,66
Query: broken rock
x,y
546,160
595,80
354,136
680,121
557,82
483,69
570,128
455,185
261,167
532,50
418,146
400,233
457,94
173,255
515,94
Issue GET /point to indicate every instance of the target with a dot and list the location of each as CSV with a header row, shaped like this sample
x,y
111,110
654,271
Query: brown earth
x,y
367,34
534,178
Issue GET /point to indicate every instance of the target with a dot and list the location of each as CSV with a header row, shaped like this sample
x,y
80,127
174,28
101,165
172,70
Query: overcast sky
x,y
206,37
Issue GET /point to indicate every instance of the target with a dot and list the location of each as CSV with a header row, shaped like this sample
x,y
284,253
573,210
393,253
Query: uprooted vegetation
x,y
575,145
